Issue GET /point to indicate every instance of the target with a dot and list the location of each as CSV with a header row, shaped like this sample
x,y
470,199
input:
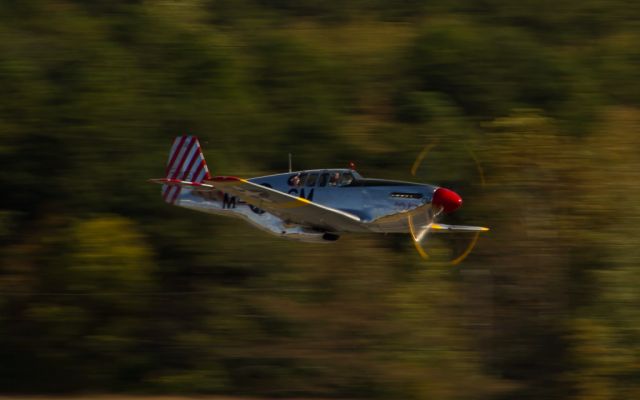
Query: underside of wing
x,y
292,209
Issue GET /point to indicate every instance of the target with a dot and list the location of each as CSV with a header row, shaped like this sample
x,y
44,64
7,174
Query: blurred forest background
x,y
104,288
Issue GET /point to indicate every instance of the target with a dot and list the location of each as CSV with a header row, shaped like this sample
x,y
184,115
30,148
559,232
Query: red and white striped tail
x,y
186,163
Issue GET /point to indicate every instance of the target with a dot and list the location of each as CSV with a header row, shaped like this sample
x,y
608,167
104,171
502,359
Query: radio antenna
x,y
290,169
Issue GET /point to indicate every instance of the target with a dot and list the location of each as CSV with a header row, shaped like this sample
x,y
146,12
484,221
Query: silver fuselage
x,y
381,205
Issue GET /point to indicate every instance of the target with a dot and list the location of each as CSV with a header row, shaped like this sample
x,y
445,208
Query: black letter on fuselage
x,y
294,192
228,202
309,197
255,209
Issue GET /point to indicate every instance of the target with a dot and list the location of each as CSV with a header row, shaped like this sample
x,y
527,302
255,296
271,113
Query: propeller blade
x,y
423,233
417,239
419,235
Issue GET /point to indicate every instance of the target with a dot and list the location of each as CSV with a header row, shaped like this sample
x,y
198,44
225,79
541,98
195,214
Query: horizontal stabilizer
x,y
185,184
457,228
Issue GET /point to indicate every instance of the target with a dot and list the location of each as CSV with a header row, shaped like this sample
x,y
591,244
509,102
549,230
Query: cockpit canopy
x,y
322,178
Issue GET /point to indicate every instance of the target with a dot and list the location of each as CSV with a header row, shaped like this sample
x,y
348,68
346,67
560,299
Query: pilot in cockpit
x,y
334,179
346,180
295,180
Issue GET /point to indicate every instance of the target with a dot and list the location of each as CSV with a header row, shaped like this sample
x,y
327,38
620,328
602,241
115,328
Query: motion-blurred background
x,y
104,288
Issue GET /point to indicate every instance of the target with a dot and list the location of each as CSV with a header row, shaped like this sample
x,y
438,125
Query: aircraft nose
x,y
447,199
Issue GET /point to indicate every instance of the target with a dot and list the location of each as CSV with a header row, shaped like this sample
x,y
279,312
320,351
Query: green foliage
x,y
105,288
489,71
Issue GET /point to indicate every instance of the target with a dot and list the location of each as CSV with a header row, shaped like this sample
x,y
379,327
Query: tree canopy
x,y
106,288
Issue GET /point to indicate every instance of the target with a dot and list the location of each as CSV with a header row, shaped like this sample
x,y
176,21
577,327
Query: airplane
x,y
317,205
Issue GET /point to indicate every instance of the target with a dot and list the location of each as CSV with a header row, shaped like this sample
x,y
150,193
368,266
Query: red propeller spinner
x,y
447,199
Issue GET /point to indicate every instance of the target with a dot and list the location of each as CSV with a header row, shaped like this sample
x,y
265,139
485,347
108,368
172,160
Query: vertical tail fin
x,y
186,163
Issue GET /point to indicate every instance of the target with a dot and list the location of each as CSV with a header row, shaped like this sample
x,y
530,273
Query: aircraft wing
x,y
457,228
290,208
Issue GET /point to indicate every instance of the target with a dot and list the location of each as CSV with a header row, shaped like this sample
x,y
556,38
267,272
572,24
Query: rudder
x,y
186,163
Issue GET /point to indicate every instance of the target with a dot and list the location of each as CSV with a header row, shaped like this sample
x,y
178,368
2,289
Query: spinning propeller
x,y
444,201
